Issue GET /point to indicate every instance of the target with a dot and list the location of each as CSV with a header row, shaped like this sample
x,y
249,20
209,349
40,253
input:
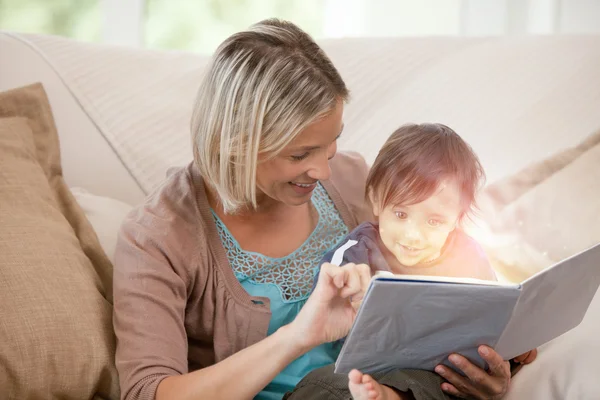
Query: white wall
x,y
578,16
413,18
123,22
460,17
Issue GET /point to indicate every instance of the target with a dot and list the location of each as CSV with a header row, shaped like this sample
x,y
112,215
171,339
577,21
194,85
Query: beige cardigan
x,y
178,306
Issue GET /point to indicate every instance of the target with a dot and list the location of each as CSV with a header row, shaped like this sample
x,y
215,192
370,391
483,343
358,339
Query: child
x,y
422,185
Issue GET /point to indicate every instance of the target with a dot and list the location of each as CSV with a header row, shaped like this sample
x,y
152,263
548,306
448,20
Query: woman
x,y
213,271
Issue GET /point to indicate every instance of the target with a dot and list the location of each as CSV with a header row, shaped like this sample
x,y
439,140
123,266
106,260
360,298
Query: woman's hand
x,y
478,384
328,314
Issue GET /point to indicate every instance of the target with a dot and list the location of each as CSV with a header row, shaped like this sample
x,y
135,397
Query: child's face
x,y
417,233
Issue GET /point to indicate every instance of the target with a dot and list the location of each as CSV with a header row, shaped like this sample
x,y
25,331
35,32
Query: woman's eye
x,y
434,222
299,157
400,214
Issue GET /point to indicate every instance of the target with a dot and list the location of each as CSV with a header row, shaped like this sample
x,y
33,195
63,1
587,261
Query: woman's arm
x,y
326,316
240,376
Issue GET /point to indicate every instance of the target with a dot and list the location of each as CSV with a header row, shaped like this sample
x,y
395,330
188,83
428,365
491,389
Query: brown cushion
x,y
55,281
545,213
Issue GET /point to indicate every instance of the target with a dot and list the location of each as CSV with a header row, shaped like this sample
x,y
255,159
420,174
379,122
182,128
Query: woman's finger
x,y
359,277
331,274
521,358
530,357
456,382
365,278
352,284
496,364
473,372
450,389
352,279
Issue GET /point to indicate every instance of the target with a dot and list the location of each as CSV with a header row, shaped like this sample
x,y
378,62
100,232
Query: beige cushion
x,y
545,213
55,280
105,214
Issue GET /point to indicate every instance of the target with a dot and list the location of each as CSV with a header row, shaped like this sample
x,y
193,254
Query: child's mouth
x,y
410,250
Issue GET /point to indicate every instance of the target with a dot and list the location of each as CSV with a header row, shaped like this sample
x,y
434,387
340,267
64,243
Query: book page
x,y
440,279
552,302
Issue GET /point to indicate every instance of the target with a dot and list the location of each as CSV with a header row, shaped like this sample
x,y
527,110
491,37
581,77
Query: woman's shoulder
x,y
169,221
176,197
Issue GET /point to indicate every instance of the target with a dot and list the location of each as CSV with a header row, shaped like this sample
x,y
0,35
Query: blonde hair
x,y
263,87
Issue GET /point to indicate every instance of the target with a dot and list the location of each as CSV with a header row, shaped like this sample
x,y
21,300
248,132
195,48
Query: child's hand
x,y
526,358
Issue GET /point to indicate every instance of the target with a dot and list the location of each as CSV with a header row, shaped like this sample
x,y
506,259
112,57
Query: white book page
x,y
440,279
552,302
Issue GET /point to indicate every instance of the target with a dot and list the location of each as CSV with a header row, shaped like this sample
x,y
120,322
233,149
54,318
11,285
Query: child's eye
x,y
400,214
435,222
299,157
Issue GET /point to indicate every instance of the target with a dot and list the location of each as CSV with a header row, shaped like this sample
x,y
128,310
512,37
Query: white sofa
x,y
123,114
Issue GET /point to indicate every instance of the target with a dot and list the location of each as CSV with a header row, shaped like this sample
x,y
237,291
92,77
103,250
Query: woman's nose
x,y
320,171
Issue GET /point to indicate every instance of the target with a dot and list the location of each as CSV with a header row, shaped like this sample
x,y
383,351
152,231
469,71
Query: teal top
x,y
287,282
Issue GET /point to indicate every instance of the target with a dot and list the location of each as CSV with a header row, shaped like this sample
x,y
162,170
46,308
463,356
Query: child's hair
x,y
416,159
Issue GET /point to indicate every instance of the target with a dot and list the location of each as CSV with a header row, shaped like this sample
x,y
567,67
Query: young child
x,y
422,185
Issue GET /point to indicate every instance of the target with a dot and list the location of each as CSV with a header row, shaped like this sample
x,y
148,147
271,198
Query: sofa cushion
x,y
55,280
545,213
105,214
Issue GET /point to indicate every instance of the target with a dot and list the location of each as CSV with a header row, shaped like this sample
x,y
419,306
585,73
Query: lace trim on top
x,y
294,273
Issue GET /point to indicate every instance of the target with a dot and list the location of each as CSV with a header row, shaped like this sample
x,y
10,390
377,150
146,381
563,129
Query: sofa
x,y
87,130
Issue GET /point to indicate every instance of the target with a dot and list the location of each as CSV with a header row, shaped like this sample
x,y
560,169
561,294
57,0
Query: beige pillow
x,y
55,280
105,215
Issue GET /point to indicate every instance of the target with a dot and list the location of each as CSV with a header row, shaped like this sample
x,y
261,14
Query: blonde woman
x,y
213,271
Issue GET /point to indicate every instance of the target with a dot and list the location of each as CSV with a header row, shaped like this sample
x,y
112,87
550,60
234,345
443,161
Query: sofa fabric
x,y
545,213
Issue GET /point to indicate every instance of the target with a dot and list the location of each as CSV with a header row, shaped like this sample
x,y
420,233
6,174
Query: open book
x,y
408,321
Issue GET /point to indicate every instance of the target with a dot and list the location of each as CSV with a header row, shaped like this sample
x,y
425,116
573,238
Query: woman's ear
x,y
374,203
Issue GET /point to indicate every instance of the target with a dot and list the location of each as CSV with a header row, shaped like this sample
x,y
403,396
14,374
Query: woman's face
x,y
291,176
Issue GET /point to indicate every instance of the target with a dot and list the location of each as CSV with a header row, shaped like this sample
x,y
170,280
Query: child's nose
x,y
413,233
